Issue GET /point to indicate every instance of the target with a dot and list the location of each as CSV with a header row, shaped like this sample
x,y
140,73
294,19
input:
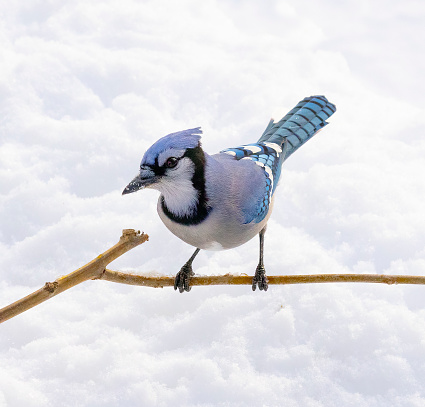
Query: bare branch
x,y
95,270
164,281
129,239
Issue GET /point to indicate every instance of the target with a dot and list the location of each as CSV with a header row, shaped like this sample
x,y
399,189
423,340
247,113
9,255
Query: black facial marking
x,y
171,162
202,209
154,167
157,169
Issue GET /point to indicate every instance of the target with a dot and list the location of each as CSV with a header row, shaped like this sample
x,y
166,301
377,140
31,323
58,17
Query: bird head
x,y
169,163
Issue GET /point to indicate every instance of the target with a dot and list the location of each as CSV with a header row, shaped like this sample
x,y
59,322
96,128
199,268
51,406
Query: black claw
x,y
182,280
260,278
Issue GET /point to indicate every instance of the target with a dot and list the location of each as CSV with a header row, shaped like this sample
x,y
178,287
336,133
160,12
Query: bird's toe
x,y
182,280
260,279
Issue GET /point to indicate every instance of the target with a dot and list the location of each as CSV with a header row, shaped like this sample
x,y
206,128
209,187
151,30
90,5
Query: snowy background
x,y
87,86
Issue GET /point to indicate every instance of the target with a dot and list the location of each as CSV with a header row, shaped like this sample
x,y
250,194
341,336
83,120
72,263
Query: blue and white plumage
x,y
220,201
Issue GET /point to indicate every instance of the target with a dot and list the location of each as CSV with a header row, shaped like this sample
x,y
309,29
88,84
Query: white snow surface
x,y
87,86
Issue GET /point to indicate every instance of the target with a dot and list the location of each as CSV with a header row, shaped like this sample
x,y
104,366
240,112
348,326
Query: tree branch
x,y
95,270
226,279
129,239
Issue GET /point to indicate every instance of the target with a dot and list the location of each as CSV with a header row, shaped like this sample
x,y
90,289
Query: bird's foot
x,y
260,278
182,280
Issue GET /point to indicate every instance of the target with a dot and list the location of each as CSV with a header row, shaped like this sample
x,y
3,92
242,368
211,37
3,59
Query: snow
x,y
86,87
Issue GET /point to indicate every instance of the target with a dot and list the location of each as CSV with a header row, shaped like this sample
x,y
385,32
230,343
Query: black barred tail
x,y
300,124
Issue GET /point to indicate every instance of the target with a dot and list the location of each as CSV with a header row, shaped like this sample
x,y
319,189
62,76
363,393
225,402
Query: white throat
x,y
180,197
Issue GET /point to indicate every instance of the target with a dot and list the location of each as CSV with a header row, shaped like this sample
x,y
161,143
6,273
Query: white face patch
x,y
171,152
176,186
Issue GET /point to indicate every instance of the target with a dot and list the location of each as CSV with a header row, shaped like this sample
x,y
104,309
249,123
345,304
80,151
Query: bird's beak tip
x,y
130,188
138,183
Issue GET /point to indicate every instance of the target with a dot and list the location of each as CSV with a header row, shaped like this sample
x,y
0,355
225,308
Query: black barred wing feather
x,y
279,141
267,156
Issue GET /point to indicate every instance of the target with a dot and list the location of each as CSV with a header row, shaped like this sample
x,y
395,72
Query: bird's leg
x,y
260,277
182,279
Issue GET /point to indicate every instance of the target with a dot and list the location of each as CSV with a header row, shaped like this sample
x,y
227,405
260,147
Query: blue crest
x,y
180,140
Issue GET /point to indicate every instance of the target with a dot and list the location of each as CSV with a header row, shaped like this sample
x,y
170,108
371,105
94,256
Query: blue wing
x,y
279,141
269,157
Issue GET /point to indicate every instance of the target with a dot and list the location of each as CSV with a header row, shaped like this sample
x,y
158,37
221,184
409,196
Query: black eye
x,y
171,162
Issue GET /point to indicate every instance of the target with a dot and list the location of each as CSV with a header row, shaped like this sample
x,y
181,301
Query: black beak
x,y
143,180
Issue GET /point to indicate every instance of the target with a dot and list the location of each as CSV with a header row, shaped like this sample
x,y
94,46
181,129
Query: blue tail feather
x,y
279,141
300,124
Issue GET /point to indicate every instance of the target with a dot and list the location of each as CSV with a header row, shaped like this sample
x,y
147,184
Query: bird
x,y
221,201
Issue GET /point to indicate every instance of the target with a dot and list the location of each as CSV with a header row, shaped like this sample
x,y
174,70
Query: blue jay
x,y
220,201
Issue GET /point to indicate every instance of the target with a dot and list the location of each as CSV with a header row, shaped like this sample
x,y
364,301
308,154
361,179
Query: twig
x,y
129,239
160,282
95,270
